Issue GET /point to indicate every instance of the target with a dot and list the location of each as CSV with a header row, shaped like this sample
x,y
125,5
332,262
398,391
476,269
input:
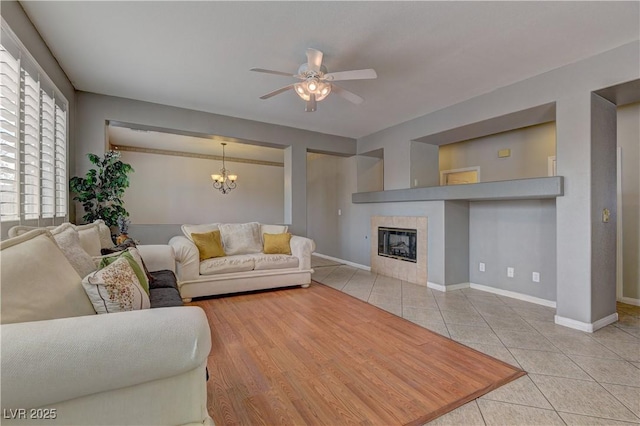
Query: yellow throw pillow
x,y
209,244
277,243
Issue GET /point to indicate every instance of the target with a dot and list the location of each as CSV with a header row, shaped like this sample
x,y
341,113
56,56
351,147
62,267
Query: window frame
x,y
52,193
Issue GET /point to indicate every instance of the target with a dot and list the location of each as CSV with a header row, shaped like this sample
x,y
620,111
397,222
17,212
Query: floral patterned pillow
x,y
115,288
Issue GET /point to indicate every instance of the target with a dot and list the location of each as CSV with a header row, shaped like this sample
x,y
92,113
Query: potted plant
x,y
102,188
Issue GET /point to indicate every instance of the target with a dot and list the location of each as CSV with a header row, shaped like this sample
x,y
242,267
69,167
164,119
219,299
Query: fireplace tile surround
x,y
415,273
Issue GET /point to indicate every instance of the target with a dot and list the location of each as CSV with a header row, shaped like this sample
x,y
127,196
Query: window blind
x,y
33,147
9,135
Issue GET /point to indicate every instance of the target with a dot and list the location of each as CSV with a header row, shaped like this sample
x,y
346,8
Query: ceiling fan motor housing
x,y
304,71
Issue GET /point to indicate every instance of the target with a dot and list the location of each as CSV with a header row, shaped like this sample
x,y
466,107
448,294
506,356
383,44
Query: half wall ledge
x,y
520,189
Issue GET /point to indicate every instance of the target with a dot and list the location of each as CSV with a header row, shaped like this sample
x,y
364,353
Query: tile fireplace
x,y
399,247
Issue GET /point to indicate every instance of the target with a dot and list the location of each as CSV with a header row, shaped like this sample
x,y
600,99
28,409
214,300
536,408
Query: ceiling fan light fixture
x,y
301,90
312,85
323,91
316,81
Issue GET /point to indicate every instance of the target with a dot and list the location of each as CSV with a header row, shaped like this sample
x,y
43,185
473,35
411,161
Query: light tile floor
x,y
574,378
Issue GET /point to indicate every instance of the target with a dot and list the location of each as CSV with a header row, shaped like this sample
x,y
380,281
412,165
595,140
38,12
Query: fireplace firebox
x,y
397,243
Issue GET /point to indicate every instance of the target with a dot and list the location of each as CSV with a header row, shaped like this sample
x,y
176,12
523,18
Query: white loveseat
x,y
239,272
61,361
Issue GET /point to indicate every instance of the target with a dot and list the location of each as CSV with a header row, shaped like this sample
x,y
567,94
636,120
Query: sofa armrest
x,y
187,258
47,362
158,257
302,247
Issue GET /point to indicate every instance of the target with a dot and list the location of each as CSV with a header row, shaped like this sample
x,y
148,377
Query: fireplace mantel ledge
x,y
520,189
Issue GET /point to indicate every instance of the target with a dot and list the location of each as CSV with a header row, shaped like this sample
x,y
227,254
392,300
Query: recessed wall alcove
x,y
498,207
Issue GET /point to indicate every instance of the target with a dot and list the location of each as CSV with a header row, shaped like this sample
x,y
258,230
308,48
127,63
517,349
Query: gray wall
x,y
370,173
603,196
518,234
570,88
95,110
629,141
322,201
424,165
166,189
530,148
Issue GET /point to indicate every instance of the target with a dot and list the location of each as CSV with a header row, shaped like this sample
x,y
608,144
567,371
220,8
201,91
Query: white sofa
x,y
62,361
239,272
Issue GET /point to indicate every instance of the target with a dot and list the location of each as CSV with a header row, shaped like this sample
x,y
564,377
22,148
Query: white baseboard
x,y
585,326
629,301
514,295
445,288
346,262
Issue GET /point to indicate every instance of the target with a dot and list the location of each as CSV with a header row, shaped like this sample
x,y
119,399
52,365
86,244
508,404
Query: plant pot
x,y
122,238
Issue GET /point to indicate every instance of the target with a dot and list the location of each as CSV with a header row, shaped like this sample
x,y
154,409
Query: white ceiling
x,y
428,55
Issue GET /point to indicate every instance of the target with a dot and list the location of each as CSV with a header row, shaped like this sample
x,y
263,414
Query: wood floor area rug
x,y
318,356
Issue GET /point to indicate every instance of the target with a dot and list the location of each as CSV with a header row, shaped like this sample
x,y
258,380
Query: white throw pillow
x,y
241,238
115,288
89,238
38,282
187,230
68,240
105,234
135,254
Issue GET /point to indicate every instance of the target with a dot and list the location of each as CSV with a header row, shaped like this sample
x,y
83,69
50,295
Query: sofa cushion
x,y
165,298
277,243
187,230
274,261
68,240
116,288
164,290
163,279
209,244
16,231
241,238
223,265
38,282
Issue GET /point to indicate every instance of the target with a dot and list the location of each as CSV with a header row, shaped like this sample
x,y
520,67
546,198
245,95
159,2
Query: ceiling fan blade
x,y
277,92
311,104
314,59
351,75
350,96
286,74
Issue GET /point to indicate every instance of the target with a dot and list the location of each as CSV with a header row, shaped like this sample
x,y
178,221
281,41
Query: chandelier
x,y
225,181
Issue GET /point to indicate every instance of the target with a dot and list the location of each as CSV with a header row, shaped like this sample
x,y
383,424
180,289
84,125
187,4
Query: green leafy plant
x,y
100,191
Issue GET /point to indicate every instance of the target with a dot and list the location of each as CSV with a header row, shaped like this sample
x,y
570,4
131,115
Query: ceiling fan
x,y
317,83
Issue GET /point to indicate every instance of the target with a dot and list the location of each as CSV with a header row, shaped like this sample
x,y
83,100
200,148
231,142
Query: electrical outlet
x,y
481,267
510,272
339,212
535,277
